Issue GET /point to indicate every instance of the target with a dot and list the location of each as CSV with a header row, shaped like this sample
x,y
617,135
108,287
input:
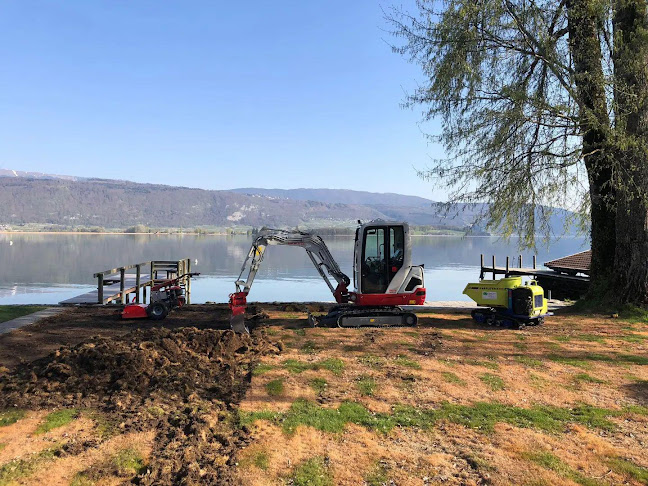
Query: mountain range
x,y
35,198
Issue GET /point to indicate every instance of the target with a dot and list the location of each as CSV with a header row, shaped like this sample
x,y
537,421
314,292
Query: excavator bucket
x,y
237,323
237,304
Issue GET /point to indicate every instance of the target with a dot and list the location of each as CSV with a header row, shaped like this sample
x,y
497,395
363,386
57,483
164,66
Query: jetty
x,y
566,277
123,285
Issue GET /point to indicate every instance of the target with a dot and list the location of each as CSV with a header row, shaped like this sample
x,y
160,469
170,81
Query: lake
x,y
48,268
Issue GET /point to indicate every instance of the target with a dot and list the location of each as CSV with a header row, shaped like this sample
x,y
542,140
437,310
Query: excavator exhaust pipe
x,y
237,304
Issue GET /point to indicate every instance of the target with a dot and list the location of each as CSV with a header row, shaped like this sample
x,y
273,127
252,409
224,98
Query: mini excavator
x,y
383,276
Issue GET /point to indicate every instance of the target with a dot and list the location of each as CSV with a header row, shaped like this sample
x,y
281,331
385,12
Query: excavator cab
x,y
380,255
383,270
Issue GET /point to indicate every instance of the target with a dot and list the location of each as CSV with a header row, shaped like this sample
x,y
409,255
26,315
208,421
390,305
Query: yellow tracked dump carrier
x,y
506,302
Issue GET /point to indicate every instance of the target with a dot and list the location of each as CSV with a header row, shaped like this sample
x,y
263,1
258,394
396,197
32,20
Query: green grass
x,y
562,339
319,385
637,409
633,359
528,361
299,332
633,338
549,461
56,419
486,364
262,368
448,362
105,425
520,346
259,459
366,385
537,381
12,416
452,378
553,346
481,416
312,472
128,462
585,378
577,362
2,445
334,365
377,476
494,382
12,471
352,347
634,315
584,360
371,360
275,388
8,312
402,360
590,338
296,366
309,347
629,469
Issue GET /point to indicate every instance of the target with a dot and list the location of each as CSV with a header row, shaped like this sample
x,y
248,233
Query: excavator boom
x,y
316,250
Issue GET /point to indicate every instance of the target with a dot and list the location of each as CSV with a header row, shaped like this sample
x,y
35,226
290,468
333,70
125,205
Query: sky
x,y
211,94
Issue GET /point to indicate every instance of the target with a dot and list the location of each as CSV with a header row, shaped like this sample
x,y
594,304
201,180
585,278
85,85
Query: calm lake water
x,y
48,268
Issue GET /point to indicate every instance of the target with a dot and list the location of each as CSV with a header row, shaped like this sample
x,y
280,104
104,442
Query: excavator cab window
x,y
374,262
396,250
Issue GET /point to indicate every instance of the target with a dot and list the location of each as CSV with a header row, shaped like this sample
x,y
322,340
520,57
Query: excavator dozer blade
x,y
237,323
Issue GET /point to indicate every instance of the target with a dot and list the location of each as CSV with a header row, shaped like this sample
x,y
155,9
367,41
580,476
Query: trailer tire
x,y
157,311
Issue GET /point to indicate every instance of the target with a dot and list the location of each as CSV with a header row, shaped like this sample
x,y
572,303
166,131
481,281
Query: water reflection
x,y
47,268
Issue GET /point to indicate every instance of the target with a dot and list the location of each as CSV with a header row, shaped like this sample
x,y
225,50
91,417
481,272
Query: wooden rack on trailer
x,y
117,284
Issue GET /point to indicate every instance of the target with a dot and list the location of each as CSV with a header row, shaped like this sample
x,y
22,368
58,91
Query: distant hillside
x,y
32,198
36,175
343,196
119,204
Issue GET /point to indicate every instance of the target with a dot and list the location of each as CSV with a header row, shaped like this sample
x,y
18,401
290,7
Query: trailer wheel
x,y
157,311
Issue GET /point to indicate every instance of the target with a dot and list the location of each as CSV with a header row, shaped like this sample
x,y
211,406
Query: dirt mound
x,y
182,382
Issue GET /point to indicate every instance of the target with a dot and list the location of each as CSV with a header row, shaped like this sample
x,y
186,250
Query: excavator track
x,y
347,316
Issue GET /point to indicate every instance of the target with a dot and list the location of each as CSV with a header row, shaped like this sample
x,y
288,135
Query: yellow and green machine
x,y
508,302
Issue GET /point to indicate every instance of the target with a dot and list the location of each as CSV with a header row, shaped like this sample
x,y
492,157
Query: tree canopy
x,y
542,104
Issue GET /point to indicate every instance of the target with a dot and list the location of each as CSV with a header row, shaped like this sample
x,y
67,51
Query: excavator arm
x,y
316,250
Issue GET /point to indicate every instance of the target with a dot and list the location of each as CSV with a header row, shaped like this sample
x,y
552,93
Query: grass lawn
x,y
446,403
453,403
8,312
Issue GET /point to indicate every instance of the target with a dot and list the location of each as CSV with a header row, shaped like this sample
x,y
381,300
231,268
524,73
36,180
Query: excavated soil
x,y
181,383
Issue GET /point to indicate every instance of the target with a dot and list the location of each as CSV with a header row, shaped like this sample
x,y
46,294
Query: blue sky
x,y
210,94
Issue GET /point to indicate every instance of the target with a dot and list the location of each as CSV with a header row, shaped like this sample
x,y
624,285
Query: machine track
x,y
492,317
350,316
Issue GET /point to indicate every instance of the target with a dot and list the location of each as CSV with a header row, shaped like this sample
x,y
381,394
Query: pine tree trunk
x,y
583,24
631,70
